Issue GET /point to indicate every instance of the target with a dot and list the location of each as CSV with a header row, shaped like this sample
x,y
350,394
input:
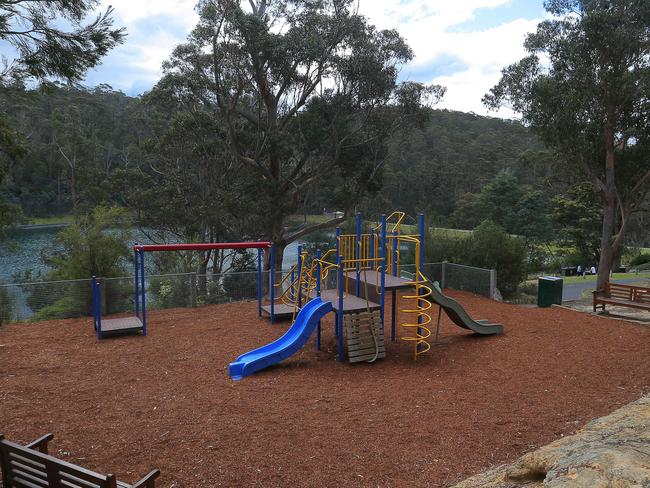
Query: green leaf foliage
x,y
94,246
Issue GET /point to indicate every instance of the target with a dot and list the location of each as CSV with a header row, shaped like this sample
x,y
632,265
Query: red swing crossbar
x,y
202,247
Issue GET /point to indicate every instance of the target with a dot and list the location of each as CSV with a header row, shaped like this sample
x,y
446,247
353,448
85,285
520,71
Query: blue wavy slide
x,y
285,346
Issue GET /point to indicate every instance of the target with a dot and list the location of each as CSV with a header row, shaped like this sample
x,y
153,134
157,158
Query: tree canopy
x,y
303,90
589,101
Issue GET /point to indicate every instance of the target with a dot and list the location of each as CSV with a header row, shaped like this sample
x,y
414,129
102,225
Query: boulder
x,y
609,452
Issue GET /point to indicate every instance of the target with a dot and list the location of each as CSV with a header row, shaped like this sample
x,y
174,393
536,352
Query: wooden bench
x,y
622,296
31,467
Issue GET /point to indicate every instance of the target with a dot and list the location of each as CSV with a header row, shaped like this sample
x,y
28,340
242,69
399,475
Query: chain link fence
x,y
20,302
51,300
458,277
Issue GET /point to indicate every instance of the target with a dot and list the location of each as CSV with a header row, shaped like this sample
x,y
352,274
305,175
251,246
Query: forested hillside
x,y
73,141
76,139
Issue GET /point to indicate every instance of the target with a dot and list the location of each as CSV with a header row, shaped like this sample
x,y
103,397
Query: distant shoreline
x,y
38,226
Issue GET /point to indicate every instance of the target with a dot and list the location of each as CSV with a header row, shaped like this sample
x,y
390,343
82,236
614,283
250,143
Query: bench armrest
x,y
40,444
149,480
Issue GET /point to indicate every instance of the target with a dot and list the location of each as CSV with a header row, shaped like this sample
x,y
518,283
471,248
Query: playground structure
x,y
138,322
364,266
367,262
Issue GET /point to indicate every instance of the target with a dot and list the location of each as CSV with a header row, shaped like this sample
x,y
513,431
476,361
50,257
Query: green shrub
x,y
490,246
640,259
7,306
65,308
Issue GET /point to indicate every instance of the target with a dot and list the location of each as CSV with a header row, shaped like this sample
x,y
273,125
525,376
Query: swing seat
x,y
124,325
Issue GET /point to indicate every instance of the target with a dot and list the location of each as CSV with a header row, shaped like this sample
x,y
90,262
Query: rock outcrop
x,y
609,452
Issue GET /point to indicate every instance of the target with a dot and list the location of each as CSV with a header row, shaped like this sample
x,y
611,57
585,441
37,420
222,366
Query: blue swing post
x,y
144,285
136,277
96,312
272,281
339,313
259,282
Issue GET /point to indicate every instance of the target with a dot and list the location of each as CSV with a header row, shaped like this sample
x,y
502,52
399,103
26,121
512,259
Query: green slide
x,y
459,316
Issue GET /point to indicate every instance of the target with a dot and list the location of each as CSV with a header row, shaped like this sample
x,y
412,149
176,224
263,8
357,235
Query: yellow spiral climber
x,y
421,305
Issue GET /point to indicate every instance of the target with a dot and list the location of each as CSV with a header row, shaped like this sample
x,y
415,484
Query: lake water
x,y
21,251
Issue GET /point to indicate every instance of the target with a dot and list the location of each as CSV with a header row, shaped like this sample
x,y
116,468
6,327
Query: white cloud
x,y
484,52
155,27
130,11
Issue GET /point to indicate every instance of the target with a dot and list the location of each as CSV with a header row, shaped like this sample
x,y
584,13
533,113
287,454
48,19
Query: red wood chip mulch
x,y
129,404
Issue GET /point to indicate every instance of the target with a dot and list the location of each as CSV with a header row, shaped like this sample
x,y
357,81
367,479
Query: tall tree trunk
x,y
609,210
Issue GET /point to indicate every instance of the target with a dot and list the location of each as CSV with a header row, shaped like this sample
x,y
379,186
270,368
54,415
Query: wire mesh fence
x,y
458,277
20,302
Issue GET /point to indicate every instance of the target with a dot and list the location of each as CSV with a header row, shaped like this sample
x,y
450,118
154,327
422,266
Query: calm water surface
x,y
23,248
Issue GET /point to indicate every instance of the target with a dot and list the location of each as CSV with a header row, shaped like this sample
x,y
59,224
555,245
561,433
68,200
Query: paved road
x,y
574,291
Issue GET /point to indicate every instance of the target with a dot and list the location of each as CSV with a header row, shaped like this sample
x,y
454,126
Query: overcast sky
x,y
461,44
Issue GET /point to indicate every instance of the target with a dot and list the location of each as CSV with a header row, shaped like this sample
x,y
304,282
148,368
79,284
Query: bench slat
x,y
74,479
25,475
17,481
24,467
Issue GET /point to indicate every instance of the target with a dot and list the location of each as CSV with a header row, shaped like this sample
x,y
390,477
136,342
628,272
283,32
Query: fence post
x,y
193,289
493,283
443,273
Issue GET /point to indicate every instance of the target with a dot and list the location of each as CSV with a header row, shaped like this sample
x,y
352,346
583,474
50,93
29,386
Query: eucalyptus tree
x,y
302,88
585,89
48,39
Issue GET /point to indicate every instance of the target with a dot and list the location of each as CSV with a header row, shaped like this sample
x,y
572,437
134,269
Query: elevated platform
x,y
374,279
123,325
351,304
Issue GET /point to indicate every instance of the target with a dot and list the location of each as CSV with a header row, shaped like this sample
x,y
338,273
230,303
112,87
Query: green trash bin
x,y
549,291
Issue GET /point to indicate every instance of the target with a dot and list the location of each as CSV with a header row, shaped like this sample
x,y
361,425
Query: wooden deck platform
x,y
281,311
373,279
121,325
351,304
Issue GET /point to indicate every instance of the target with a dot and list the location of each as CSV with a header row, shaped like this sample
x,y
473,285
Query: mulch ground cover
x,y
129,404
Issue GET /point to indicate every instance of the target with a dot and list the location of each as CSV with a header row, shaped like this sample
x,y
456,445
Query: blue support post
x,y
299,277
272,281
339,314
338,246
144,286
259,282
422,234
136,274
382,287
318,272
94,301
98,298
395,252
357,253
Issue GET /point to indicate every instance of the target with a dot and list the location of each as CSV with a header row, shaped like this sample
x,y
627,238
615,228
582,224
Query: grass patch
x,y
592,278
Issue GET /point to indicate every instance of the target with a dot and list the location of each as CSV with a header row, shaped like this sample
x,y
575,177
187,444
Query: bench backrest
x,y
641,295
24,467
622,292
631,293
